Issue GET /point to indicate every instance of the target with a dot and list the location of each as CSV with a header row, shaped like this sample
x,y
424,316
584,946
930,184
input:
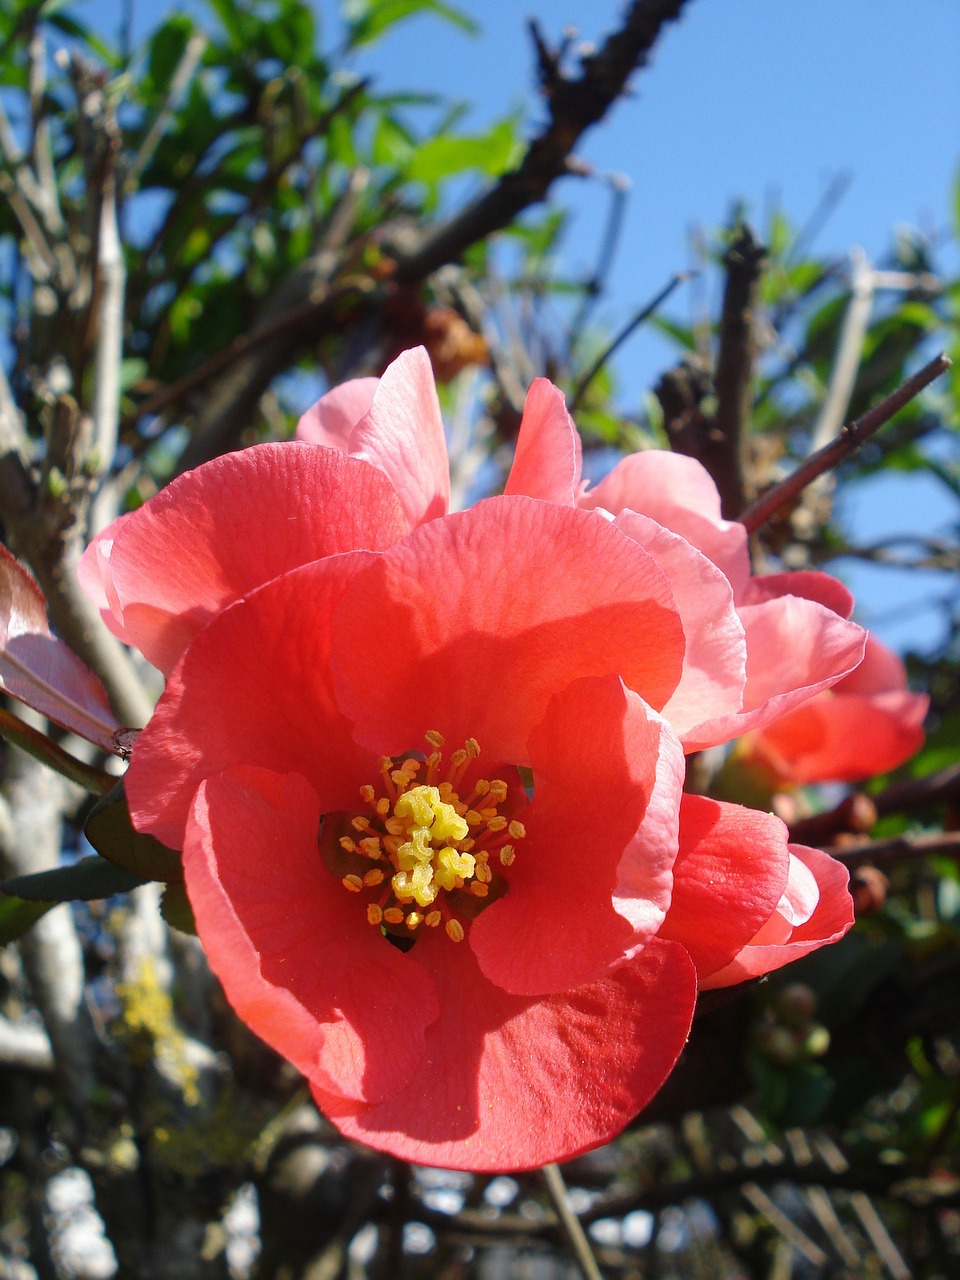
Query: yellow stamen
x,y
375,876
353,883
454,930
393,915
374,913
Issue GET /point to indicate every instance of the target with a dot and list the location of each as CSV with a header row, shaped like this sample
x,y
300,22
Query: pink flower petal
x,y
715,658
780,941
402,435
296,958
728,880
546,463
332,419
219,532
594,760
38,669
254,688
678,493
795,648
807,583
509,1083
481,617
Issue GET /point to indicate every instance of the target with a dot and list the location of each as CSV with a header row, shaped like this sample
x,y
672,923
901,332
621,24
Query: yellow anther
x,y
370,847
373,877
432,919
482,787
383,806
393,915
497,823
360,823
507,855
415,885
353,883
472,818
451,866
396,826
479,890
487,814
374,913
517,830
498,790
414,920
400,778
482,873
458,758
347,843
367,794
435,738
472,747
454,930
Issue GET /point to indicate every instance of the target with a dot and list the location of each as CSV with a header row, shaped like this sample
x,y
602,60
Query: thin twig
x,y
572,1227
643,314
112,274
847,442
42,748
186,67
898,848
843,375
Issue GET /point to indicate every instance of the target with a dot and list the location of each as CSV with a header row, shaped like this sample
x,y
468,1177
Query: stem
x,y
849,439
572,1227
38,745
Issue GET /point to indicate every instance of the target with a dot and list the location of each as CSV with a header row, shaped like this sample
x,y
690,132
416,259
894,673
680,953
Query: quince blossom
x,y
426,771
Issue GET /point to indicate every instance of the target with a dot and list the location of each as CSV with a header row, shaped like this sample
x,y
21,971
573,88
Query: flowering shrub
x,y
426,768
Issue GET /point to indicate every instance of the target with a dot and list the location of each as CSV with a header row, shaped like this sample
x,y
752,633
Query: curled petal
x,y
547,460
815,910
679,493
402,435
289,944
729,878
806,583
510,1083
332,419
715,657
216,533
795,648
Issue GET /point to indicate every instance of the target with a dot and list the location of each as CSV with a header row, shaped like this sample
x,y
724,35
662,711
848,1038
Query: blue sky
x,y
755,100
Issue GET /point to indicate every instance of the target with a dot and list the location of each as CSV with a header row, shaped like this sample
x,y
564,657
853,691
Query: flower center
x,y
430,855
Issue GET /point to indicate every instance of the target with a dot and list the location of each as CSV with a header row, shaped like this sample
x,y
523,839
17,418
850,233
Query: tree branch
x,y
847,442
574,106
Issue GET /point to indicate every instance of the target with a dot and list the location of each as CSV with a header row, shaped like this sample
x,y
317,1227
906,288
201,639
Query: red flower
x,y
868,723
384,726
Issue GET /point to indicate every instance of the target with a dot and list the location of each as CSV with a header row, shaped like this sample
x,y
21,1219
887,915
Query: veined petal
x,y
216,533
729,878
481,617
809,584
402,434
255,688
594,758
332,419
780,941
509,1083
547,460
296,959
715,657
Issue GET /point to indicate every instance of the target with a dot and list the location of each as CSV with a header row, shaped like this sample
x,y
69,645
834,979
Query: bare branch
x,y
570,1223
846,443
184,73
111,272
574,105
843,375
631,327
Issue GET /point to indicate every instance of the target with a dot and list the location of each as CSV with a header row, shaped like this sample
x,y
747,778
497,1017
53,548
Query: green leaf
x,y
368,20
491,153
176,909
17,915
82,881
111,832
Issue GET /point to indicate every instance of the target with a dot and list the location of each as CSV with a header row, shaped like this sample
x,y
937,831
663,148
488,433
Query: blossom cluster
x,y
427,768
